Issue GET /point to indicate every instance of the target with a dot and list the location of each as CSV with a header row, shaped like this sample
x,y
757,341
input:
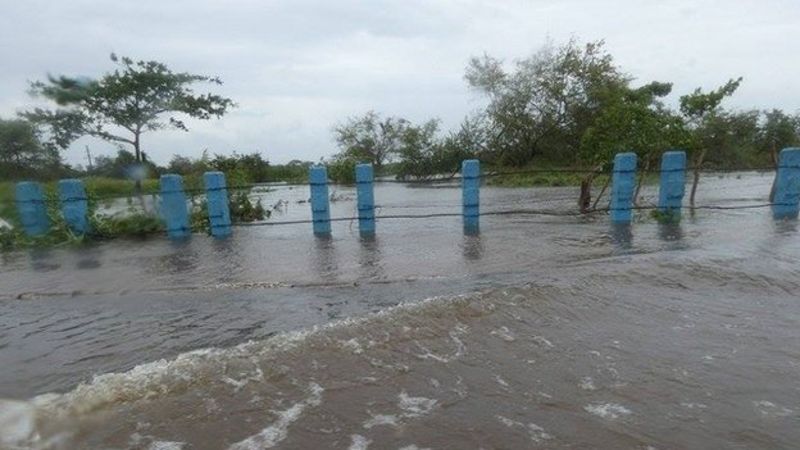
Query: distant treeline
x,y
566,105
569,106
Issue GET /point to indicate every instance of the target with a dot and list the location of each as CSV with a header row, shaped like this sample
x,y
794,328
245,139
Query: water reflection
x,y
472,247
42,261
785,226
325,261
182,258
369,257
226,252
622,236
90,261
670,231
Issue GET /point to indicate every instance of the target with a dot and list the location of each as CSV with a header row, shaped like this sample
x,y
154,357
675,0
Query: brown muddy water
x,y
541,332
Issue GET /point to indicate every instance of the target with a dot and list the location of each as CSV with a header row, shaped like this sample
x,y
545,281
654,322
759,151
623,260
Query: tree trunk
x,y
137,150
696,179
602,191
642,174
585,200
775,179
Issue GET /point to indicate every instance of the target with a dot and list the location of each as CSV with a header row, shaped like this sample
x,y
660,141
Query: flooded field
x,y
541,332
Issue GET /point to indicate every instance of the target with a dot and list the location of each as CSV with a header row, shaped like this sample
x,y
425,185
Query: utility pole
x,y
89,157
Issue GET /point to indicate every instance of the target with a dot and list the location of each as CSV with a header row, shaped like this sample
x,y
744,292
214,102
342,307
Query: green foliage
x,y
778,131
22,153
122,166
135,224
544,106
112,187
666,217
239,169
698,105
370,138
242,210
138,96
633,120
342,169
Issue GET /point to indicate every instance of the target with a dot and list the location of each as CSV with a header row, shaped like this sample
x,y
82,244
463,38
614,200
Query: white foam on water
x,y
359,442
690,405
535,432
166,445
587,384
380,419
413,447
501,381
461,348
278,431
541,340
157,378
17,423
607,410
416,406
240,383
353,345
768,409
411,407
504,333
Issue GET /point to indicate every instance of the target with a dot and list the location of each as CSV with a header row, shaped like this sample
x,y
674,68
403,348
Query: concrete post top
x,y
625,162
470,168
318,175
364,173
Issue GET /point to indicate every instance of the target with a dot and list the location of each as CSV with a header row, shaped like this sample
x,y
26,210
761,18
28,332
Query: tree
x,y
703,115
632,120
22,153
546,104
137,97
418,147
778,131
370,138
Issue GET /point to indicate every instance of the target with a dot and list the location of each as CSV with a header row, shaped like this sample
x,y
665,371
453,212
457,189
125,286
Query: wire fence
x,y
568,205
195,191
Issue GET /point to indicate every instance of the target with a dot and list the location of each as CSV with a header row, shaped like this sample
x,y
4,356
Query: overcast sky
x,y
297,67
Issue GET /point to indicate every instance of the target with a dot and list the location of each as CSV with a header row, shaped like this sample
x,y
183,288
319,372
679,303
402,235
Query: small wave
x,y
359,442
278,431
608,410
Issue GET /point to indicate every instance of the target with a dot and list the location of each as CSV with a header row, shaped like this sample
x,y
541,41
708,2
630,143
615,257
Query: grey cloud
x,y
297,67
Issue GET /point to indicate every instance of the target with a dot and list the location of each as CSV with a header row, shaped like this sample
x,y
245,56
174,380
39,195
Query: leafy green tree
x,y
417,150
22,153
370,138
632,120
118,166
544,106
779,130
704,115
120,106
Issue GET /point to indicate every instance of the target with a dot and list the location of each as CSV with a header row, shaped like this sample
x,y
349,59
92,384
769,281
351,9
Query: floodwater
x,y
541,332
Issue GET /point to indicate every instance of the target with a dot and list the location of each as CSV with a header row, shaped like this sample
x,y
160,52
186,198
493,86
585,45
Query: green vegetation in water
x,y
552,179
132,223
669,217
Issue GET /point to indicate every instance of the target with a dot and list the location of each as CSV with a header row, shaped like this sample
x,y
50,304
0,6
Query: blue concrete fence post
x,y
320,207
673,184
74,205
787,185
622,185
219,214
470,194
173,206
31,208
366,199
